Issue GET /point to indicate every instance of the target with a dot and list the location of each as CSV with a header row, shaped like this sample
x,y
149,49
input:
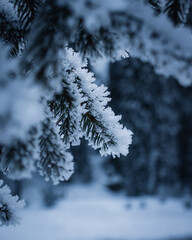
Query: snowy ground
x,y
89,213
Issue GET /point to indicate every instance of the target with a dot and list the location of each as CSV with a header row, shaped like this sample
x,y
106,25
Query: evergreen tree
x,y
49,99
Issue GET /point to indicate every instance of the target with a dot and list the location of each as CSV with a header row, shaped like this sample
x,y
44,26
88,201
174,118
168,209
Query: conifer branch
x,y
177,10
10,31
54,163
10,206
26,9
17,160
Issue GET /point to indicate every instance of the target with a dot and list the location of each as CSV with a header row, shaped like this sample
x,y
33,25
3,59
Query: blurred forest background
x,y
158,111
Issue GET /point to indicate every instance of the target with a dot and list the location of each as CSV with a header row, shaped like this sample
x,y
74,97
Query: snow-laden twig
x,y
10,206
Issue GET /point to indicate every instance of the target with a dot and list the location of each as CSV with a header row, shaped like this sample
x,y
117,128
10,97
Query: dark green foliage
x,y
54,162
62,105
27,10
156,5
179,11
48,34
176,10
91,126
94,44
88,44
109,41
14,31
10,33
5,214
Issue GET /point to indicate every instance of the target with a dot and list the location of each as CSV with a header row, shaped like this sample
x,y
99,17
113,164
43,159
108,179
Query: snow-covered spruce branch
x,y
101,127
94,119
10,206
67,107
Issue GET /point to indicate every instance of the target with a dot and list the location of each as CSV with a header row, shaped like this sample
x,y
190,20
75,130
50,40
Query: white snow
x,y
89,213
10,206
20,108
89,98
